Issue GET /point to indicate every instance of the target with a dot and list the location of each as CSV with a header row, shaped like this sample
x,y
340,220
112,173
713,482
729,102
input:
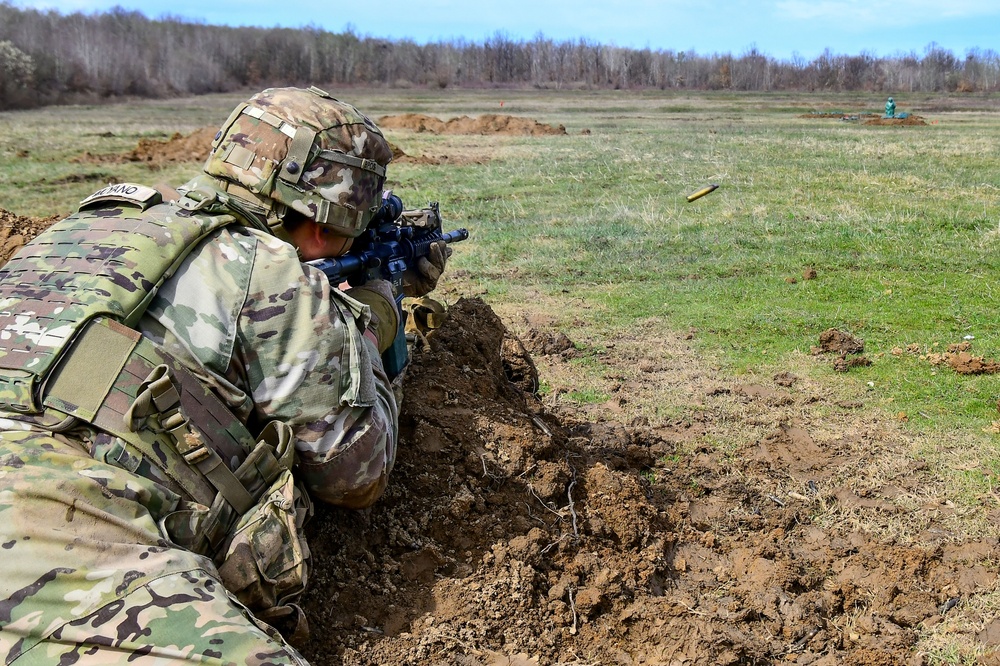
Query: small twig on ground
x,y
572,606
541,424
543,503
486,472
691,610
569,494
576,661
800,644
554,544
531,514
440,634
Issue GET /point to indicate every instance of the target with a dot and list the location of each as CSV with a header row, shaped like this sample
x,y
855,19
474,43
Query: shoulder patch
x,y
129,193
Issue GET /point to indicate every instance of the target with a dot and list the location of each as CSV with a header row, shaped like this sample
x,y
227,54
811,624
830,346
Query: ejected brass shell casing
x,y
702,192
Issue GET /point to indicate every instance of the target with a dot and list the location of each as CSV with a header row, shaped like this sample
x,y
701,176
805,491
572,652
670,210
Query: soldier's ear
x,y
311,240
317,234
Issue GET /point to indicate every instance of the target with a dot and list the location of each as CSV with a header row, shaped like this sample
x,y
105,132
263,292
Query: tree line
x,y
49,58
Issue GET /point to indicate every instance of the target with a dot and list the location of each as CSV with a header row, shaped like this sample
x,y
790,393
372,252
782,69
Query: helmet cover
x,y
306,151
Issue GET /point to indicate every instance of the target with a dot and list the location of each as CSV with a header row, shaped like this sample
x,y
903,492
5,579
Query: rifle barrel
x,y
338,268
455,236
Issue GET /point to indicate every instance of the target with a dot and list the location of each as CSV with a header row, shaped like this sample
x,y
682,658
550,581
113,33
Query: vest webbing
x,y
85,266
68,301
125,385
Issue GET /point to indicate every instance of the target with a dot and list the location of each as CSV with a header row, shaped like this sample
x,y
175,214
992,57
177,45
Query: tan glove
x,y
423,278
426,314
384,323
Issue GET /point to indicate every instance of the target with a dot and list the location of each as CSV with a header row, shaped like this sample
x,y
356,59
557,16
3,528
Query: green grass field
x,y
900,223
593,230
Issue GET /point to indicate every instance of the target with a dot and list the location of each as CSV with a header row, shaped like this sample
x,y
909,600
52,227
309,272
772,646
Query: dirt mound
x,y
400,157
846,116
864,118
15,231
838,342
514,534
908,120
193,147
486,124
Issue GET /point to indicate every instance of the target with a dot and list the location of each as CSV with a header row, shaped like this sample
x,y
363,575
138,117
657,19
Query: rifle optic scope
x,y
391,208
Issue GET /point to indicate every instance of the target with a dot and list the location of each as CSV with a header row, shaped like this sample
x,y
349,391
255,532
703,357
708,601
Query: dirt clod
x,y
833,341
542,343
15,231
958,357
844,364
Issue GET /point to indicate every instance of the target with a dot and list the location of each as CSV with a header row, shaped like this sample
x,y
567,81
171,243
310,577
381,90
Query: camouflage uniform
x,y
90,528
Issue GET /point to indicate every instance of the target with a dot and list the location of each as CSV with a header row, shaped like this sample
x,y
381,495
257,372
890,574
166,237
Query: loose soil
x,y
523,530
865,118
194,147
400,157
15,231
837,115
909,120
489,123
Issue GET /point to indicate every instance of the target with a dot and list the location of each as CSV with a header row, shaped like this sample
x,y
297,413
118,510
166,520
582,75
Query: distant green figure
x,y
890,109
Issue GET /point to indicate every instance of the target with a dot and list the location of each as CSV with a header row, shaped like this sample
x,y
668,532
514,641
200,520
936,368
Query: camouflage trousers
x,y
88,577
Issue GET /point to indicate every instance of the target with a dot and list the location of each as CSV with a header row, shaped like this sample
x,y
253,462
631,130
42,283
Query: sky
x,y
782,29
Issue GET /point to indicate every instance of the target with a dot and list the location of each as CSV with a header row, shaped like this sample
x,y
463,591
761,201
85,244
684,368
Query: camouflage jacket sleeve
x,y
276,341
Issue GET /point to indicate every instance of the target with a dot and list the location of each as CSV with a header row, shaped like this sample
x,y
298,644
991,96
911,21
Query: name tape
x,y
137,194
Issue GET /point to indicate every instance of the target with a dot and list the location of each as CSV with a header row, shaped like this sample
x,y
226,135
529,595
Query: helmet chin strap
x,y
257,212
276,215
255,216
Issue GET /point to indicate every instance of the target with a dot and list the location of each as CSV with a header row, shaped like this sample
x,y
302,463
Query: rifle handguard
x,y
422,278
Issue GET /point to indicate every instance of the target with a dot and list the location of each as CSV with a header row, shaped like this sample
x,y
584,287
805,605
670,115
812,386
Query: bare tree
x,y
48,57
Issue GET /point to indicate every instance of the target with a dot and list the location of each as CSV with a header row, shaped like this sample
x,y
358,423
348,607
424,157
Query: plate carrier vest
x,y
69,353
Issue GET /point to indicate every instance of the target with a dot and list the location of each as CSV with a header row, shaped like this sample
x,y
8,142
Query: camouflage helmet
x,y
290,148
